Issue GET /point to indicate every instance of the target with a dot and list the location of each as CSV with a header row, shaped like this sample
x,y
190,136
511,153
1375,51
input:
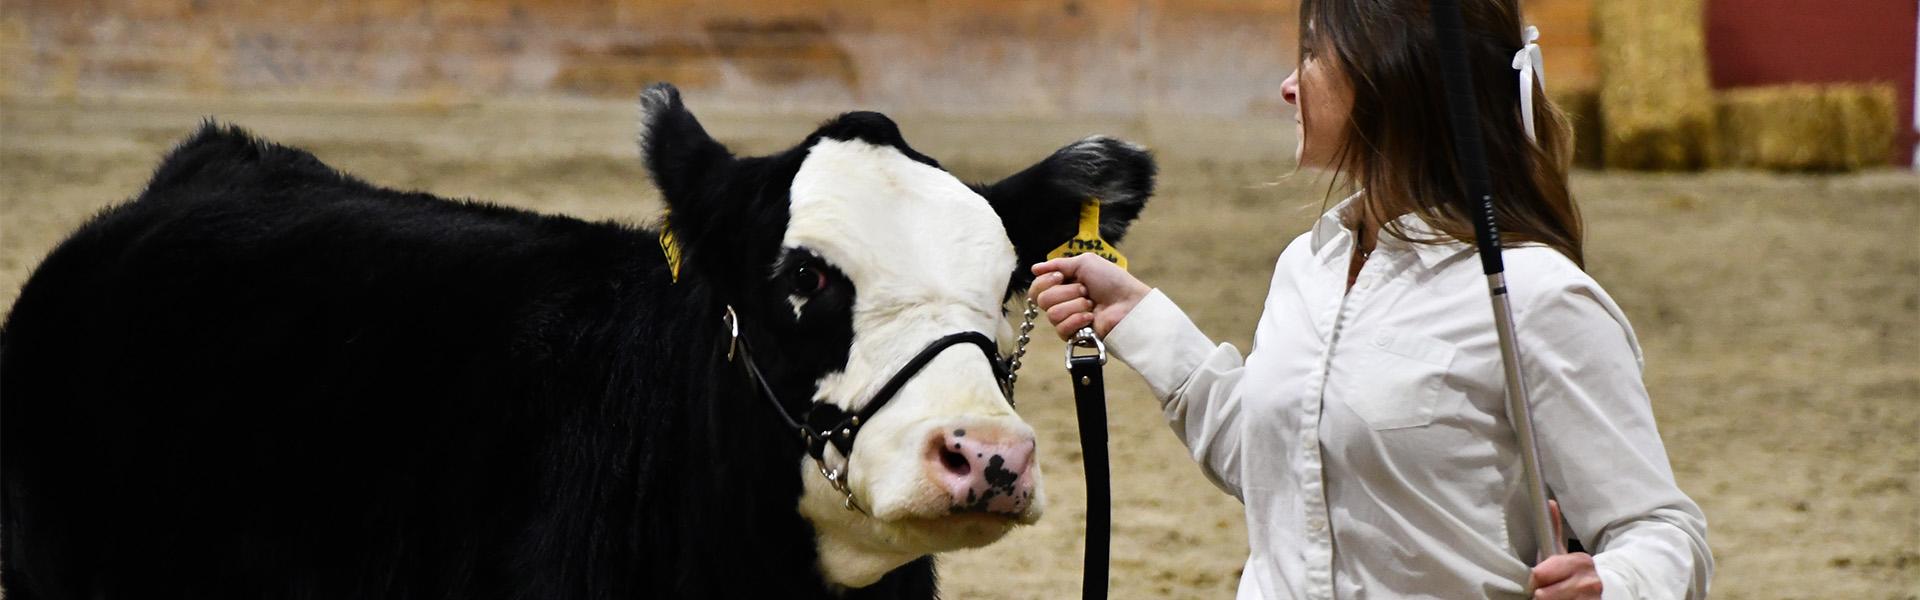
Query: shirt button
x,y
1381,340
1364,283
1316,523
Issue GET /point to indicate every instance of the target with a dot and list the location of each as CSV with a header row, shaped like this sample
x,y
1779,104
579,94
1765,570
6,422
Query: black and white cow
x,y
265,379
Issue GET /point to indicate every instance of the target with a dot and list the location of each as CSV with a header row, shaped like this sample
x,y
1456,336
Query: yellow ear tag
x,y
671,248
1088,241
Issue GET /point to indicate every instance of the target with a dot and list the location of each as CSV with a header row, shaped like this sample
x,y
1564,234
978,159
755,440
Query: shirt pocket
x,y
1397,379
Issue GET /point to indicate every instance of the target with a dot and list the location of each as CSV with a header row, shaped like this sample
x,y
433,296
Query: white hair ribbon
x,y
1530,65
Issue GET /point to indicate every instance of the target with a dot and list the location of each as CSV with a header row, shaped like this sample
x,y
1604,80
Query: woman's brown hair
x,y
1397,144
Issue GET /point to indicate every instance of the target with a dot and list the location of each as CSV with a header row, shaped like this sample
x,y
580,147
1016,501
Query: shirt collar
x,y
1430,254
1331,228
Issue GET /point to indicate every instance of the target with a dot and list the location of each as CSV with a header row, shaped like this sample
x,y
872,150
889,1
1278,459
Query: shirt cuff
x,y
1613,583
1160,342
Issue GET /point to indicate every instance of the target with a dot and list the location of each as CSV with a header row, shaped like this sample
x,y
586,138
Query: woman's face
x,y
1322,100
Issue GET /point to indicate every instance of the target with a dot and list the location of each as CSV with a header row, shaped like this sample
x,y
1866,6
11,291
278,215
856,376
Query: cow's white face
x,y
926,257
848,255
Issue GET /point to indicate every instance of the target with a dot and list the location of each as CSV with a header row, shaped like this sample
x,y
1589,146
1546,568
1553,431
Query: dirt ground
x,y
1780,315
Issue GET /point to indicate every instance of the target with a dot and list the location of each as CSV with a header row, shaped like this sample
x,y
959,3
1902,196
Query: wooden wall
x,y
1214,57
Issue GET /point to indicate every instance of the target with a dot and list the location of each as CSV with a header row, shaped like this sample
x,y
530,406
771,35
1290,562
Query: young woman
x,y
1366,434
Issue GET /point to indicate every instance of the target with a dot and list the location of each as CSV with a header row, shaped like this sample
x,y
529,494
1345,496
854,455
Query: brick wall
x,y
1217,57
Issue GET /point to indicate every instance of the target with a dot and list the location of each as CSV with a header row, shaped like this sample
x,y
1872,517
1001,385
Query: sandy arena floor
x,y
1780,315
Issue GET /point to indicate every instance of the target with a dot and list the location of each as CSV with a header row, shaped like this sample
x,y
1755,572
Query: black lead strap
x,y
1090,406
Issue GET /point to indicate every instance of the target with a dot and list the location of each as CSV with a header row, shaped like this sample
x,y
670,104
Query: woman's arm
x,y
1195,379
1600,452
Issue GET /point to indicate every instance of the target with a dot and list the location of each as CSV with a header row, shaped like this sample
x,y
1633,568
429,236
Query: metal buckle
x,y
733,331
838,479
834,477
1086,339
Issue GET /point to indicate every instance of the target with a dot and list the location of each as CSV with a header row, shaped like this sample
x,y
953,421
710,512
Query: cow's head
x,y
845,257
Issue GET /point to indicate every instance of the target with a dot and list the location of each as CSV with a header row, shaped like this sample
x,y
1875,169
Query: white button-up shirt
x,y
1367,434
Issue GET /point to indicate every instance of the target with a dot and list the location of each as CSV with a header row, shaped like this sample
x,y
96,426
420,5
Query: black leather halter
x,y
825,424
830,424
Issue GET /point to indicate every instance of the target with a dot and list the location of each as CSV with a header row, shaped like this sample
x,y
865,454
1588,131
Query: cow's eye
x,y
808,281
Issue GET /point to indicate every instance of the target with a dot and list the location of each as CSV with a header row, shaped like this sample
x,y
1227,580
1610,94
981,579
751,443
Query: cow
x,y
264,378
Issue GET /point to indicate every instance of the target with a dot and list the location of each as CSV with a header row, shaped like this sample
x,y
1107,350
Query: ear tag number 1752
x,y
1088,240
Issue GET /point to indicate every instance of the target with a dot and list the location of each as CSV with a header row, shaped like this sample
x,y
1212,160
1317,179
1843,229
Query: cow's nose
x,y
984,468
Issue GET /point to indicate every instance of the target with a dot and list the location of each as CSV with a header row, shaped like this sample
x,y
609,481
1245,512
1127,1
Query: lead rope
x,y
1090,405
1090,409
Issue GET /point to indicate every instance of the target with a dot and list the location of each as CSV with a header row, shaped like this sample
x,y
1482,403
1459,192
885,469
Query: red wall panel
x,y
1761,42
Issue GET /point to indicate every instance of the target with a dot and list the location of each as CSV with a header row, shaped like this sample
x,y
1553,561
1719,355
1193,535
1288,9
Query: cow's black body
x,y
265,379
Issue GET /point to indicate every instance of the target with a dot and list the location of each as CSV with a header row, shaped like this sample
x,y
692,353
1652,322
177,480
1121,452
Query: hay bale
x,y
1807,127
1656,102
1582,107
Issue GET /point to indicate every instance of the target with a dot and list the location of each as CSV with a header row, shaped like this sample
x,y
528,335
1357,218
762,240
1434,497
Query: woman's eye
x,y
808,281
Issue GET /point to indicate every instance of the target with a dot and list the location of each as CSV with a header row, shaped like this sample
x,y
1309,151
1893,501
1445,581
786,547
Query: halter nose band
x,y
831,424
828,424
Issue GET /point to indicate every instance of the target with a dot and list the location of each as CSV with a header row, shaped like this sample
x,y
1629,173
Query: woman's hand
x,y
1085,290
1566,576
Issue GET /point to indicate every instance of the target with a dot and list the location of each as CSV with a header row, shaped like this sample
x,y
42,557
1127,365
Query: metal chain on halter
x,y
1020,348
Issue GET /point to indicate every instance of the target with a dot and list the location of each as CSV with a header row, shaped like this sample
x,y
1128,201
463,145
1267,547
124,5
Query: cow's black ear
x,y
1040,206
678,153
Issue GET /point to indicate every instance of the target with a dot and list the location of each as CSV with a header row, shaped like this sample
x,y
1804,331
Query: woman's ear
x,y
1041,206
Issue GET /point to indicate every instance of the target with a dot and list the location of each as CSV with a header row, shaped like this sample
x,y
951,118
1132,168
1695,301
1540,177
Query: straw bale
x,y
1807,127
1656,102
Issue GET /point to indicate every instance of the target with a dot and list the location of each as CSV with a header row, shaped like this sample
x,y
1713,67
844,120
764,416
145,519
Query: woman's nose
x,y
1290,89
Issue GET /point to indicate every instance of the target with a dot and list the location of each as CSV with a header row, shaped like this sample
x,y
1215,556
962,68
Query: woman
x,y
1366,434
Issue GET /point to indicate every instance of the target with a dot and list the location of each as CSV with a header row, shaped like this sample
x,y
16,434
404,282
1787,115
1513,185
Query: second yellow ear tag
x,y
1088,240
670,247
